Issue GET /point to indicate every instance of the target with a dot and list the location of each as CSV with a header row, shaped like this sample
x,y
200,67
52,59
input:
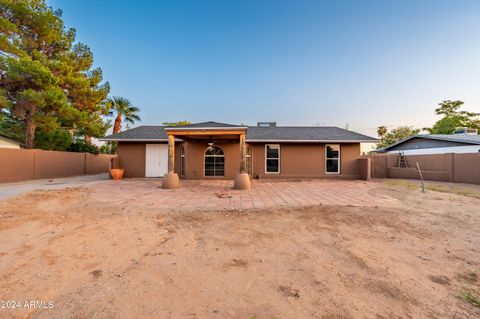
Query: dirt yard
x,y
81,253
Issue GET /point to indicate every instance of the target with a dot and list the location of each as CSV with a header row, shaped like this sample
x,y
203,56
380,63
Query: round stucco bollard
x,y
170,181
242,181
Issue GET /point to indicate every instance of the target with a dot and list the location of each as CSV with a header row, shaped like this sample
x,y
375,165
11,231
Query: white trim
x,y
248,141
312,141
205,128
182,157
139,139
339,159
440,150
249,172
135,139
279,167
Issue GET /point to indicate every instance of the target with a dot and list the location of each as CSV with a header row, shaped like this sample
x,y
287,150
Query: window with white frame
x,y
182,160
214,161
249,160
332,158
272,158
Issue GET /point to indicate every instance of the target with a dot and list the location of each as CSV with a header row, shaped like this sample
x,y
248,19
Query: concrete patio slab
x,y
204,195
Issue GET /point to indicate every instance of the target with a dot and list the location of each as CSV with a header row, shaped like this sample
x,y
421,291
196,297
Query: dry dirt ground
x,y
98,257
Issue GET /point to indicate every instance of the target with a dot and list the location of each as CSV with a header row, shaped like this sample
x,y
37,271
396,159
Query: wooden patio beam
x,y
204,132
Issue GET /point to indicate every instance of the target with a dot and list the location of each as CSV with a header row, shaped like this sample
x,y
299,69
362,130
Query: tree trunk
x,y
30,133
118,124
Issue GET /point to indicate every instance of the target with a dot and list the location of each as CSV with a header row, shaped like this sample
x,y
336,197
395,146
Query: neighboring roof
x,y
458,138
254,133
10,139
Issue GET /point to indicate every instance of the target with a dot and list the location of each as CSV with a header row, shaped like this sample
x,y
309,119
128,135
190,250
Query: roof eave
x,y
105,139
225,128
308,141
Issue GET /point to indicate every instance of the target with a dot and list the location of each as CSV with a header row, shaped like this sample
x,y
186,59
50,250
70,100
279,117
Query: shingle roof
x,y
254,133
140,133
210,124
459,138
304,133
462,138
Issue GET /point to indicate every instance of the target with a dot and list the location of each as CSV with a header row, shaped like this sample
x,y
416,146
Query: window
x,y
272,158
249,160
332,158
214,161
182,160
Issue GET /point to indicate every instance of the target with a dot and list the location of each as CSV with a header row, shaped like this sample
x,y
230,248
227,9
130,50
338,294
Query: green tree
x,y
11,128
178,123
83,147
453,118
123,110
109,147
46,81
53,140
86,92
446,125
397,134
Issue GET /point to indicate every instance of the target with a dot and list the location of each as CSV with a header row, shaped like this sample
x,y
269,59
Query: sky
x,y
365,63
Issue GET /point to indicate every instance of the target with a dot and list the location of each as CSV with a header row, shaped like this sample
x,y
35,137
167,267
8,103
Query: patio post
x,y
171,180
242,180
243,154
171,153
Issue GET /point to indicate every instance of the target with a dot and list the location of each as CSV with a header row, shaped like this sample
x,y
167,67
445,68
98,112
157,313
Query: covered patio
x,y
210,135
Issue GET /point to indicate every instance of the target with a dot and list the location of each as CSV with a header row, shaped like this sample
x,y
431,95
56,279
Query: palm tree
x,y
124,110
381,130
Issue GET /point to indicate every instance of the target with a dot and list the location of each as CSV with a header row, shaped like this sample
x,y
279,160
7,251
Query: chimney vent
x,y
266,124
466,130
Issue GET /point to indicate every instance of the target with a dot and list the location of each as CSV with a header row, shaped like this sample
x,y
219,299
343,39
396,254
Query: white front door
x,y
156,160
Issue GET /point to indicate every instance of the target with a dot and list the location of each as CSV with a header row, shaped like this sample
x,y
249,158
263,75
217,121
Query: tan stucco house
x,y
212,150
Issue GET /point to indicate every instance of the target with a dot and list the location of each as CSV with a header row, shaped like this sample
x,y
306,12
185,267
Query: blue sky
x,y
366,63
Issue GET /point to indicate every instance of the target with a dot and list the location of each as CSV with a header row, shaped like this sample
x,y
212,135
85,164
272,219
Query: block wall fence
x,y
449,167
21,164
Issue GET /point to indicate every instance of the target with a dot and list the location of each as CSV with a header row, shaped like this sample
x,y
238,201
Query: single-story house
x,y
212,150
6,142
435,144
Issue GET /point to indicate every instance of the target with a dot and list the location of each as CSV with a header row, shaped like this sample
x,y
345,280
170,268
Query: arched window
x,y
249,160
214,161
182,160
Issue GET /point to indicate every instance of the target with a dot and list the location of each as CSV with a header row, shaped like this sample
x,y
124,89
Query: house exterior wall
x,y
132,158
7,143
306,160
297,160
194,160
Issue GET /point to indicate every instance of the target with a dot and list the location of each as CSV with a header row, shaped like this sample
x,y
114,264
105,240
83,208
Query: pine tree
x,y
46,80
